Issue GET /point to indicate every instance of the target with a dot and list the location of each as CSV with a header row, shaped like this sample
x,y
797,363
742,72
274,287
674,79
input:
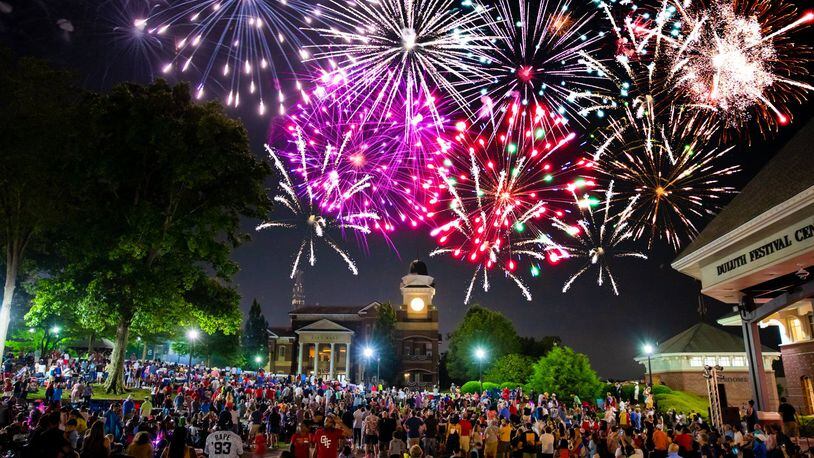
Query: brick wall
x,y
798,362
738,388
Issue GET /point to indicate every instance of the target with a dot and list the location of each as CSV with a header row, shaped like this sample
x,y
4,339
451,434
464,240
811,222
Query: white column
x,y
299,359
316,360
347,362
333,356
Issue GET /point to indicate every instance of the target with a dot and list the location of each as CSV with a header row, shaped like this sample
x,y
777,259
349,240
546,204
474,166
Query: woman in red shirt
x,y
301,442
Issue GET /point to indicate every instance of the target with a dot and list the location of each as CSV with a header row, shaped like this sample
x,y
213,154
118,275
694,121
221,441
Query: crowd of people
x,y
231,413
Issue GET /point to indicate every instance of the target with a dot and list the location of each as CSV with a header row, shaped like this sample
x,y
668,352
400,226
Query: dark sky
x,y
656,302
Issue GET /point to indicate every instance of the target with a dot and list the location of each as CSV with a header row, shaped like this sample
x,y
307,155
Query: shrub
x,y
660,389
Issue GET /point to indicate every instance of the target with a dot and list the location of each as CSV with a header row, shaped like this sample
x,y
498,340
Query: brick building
x,y
758,256
328,341
679,363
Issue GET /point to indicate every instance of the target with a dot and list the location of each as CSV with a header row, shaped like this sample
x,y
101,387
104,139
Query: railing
x,y
427,357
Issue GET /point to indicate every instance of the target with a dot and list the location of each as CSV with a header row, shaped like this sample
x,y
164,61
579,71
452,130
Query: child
x,y
260,441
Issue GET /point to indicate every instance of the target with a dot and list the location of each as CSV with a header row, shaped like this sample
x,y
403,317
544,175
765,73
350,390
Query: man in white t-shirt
x,y
224,443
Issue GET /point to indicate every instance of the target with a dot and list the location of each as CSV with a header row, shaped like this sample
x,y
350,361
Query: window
x,y
281,350
710,361
796,328
696,361
738,361
724,361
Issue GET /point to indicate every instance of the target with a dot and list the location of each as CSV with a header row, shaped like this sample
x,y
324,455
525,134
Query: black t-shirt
x,y
386,428
431,430
787,411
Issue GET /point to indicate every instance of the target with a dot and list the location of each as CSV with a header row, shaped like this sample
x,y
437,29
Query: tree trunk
x,y
115,378
12,265
90,343
144,352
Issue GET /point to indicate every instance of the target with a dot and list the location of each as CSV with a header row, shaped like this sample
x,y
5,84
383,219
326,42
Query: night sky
x,y
656,302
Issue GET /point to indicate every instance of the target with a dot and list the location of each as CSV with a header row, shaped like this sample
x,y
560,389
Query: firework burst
x,y
308,219
353,163
596,239
497,189
388,47
736,61
535,58
237,46
672,183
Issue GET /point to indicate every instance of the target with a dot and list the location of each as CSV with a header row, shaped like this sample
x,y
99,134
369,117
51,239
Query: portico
x,y
324,350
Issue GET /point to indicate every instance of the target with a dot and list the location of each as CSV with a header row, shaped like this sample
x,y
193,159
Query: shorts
x,y
490,450
465,440
371,440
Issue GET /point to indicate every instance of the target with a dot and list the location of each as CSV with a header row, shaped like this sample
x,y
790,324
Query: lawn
x,y
99,394
682,401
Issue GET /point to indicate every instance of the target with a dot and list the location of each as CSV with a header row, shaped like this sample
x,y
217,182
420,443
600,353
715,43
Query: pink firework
x,y
363,168
500,186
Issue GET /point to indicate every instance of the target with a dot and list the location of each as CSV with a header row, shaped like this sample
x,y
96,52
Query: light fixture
x,y
192,334
417,304
648,349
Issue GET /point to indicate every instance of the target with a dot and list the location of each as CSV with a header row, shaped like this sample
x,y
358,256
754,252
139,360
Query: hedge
x,y
473,386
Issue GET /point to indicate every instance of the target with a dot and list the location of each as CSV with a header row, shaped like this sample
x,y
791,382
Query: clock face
x,y
417,304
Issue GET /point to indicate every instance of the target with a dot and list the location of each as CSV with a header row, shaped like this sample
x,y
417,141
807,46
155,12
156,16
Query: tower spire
x,y
298,292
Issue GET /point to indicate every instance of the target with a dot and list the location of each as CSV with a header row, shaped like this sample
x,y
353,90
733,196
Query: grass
x,y
99,394
681,401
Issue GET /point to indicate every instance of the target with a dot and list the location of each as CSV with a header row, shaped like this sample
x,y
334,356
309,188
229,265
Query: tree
x,y
537,348
383,339
255,338
565,372
36,123
480,327
510,368
166,183
218,349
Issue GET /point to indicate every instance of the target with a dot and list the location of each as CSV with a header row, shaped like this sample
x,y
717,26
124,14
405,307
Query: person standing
x,y
789,416
224,443
329,439
547,443
751,417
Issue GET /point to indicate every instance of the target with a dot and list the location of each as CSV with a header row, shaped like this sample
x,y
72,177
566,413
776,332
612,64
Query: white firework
x,y
306,217
391,49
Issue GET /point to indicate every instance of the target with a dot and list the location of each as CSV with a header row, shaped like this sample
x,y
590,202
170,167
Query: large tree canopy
x,y
36,134
383,339
480,327
565,372
512,368
165,184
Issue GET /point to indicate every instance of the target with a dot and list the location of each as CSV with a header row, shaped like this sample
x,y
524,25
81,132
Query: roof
x,y
283,331
328,310
788,173
704,338
324,326
418,267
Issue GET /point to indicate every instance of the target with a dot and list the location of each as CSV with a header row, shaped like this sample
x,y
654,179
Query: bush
x,y
473,386
682,402
565,372
510,385
661,389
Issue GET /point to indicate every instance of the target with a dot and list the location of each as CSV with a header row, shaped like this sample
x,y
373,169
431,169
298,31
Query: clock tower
x,y
417,328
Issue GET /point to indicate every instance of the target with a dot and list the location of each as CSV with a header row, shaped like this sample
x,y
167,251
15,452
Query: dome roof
x,y
418,267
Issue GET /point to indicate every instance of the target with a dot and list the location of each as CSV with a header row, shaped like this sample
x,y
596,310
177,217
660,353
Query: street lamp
x,y
480,355
55,330
648,350
368,353
257,360
192,335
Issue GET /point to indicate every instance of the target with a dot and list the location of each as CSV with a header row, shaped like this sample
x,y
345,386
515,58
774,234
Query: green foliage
x,y
255,339
510,385
660,389
383,339
565,372
536,348
482,327
513,368
807,426
473,386
217,349
163,184
681,401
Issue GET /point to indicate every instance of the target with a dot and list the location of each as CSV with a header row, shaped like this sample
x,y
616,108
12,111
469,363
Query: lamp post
x,y
480,355
368,352
257,360
192,335
648,350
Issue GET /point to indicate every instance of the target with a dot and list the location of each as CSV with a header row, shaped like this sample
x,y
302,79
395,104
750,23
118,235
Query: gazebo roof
x,y
704,338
